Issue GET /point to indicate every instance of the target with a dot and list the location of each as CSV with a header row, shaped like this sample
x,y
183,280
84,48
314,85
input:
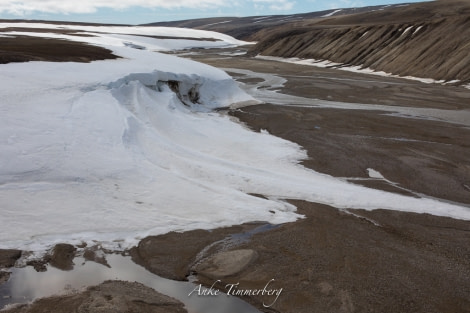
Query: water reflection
x,y
26,284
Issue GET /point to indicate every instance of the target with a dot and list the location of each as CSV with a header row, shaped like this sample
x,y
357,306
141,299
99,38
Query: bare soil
x,y
29,48
172,254
332,261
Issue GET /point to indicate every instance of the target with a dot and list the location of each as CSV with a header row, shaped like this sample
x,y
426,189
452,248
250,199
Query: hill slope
x,y
424,40
247,28
427,39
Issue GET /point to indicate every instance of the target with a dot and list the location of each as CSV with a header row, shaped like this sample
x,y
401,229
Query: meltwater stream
x,y
267,90
26,284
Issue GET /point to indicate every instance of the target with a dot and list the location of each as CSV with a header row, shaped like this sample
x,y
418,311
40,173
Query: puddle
x,y
26,284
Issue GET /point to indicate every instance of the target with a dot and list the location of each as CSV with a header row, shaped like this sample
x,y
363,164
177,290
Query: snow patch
x,y
331,13
406,30
131,30
374,174
417,29
212,24
261,17
352,68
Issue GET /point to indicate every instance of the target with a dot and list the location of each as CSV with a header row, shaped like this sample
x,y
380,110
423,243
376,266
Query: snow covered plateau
x,y
116,150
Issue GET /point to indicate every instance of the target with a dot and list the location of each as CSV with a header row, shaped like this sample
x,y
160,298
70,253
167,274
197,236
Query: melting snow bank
x,y
113,151
354,68
198,93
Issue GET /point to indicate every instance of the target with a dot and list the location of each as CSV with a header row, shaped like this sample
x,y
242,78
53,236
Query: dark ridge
x,y
72,32
26,48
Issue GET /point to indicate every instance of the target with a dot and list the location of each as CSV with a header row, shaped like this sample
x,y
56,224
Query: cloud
x,y
24,7
276,5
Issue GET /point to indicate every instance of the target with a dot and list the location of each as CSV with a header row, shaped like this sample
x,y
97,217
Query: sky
x,y
148,11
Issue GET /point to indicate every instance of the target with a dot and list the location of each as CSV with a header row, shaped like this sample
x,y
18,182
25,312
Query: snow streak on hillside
x,y
120,149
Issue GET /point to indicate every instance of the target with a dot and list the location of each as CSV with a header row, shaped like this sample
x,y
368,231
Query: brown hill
x,y
246,28
29,48
430,39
